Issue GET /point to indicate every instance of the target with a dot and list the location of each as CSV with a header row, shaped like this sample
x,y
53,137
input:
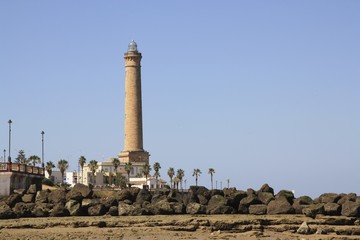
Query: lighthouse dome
x,y
132,46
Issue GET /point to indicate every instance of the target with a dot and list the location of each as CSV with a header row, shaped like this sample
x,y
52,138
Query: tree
x,y
21,157
34,159
212,172
62,165
49,166
171,173
180,174
93,166
228,182
196,173
157,167
82,161
146,171
176,181
116,163
128,168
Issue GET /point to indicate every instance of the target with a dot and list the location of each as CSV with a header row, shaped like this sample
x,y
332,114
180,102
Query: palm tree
x,y
157,174
146,171
82,161
62,165
228,182
180,174
21,157
128,168
34,159
176,181
49,166
116,163
93,166
212,172
171,173
196,173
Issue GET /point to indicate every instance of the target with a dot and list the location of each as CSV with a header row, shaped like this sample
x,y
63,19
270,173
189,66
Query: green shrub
x,y
48,182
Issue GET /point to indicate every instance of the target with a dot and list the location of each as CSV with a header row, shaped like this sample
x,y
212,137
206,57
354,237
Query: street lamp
x,y
10,122
42,148
4,155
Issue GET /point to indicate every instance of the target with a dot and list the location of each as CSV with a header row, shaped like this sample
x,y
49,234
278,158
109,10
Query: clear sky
x,y
261,91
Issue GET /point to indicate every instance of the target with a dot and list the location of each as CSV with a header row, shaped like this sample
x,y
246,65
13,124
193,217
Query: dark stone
x,y
113,211
97,210
216,192
175,196
59,210
287,194
280,206
202,200
74,207
32,189
162,207
195,208
242,209
42,196
234,197
125,209
39,211
78,192
350,209
332,209
265,197
250,200
215,202
313,210
20,191
6,212
303,200
266,188
258,209
28,198
221,210
109,202
329,198
179,208
13,199
57,196
24,209
86,202
144,195
347,197
158,197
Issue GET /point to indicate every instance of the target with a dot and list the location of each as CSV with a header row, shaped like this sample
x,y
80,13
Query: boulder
x,y
28,198
59,210
175,196
202,199
125,209
13,199
280,206
42,209
234,197
57,196
329,198
304,229
42,196
350,209
250,200
216,192
86,202
157,197
144,195
162,207
266,188
265,197
179,208
23,209
32,189
20,191
6,212
113,211
109,202
125,194
258,209
303,200
78,192
313,210
347,197
332,209
242,209
74,207
195,208
97,210
287,194
221,210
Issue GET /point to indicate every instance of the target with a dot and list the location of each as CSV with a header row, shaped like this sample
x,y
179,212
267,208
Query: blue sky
x,y
261,91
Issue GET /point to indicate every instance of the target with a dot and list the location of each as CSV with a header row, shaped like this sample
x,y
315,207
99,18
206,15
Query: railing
x,y
22,168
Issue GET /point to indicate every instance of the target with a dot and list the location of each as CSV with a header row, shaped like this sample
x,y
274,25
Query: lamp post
x,y
4,155
9,158
42,148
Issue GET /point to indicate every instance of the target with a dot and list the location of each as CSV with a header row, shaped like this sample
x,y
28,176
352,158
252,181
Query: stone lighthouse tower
x,y
133,145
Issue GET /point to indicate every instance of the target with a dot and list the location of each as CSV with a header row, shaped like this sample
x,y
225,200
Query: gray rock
x,y
313,210
125,209
74,207
13,199
97,210
6,212
162,207
347,197
287,194
42,196
332,209
250,200
59,210
28,198
32,189
329,198
113,211
179,208
24,209
351,209
280,206
258,209
266,188
303,200
57,196
304,229
78,192
195,208
144,195
265,197
20,191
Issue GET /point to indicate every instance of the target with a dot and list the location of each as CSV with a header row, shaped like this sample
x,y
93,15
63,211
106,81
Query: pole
x,y
4,155
9,159
42,148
